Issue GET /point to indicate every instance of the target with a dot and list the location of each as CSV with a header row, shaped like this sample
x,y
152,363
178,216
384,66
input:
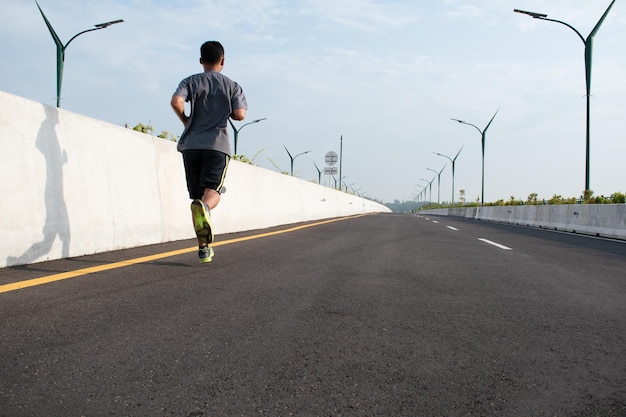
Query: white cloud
x,y
367,15
386,75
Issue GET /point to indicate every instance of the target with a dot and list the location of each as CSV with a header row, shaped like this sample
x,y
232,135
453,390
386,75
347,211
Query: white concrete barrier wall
x,y
605,220
72,185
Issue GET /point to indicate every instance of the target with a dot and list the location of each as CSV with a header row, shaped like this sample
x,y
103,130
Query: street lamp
x,y
453,160
421,192
482,134
416,198
236,131
438,181
340,162
293,157
319,173
430,183
588,59
61,48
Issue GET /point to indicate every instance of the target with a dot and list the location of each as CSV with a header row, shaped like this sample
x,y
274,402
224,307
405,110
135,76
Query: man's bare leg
x,y
211,198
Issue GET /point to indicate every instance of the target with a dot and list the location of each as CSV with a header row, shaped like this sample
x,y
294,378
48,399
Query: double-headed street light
x,y
61,48
438,182
588,59
453,160
482,134
294,157
236,131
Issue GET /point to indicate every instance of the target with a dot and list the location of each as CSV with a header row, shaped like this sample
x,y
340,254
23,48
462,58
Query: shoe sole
x,y
208,258
201,222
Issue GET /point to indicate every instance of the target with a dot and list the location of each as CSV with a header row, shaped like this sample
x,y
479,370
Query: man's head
x,y
212,55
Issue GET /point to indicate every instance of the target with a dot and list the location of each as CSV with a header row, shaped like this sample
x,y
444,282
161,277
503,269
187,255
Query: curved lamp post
x,y
421,192
482,134
319,173
430,183
293,158
236,131
453,160
61,48
588,59
438,182
416,198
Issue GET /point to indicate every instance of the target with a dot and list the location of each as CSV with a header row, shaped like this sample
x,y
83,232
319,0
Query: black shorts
x,y
204,169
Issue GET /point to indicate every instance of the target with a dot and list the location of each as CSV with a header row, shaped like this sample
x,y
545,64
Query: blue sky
x,y
385,75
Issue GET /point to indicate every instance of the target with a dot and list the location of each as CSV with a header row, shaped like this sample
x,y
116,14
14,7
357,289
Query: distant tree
x,y
587,197
556,199
242,158
514,202
282,171
532,198
167,136
149,130
246,160
140,127
618,198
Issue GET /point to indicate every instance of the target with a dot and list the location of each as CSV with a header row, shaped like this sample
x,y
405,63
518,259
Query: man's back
x,y
213,96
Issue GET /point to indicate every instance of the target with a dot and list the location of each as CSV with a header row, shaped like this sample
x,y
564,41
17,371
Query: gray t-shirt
x,y
213,98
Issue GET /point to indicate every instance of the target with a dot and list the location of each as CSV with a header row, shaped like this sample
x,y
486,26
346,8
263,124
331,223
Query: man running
x,y
205,144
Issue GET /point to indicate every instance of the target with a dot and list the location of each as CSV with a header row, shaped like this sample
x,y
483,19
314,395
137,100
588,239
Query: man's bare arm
x,y
238,114
178,105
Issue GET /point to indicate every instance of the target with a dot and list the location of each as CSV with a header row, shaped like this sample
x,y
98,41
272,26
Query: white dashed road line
x,y
497,245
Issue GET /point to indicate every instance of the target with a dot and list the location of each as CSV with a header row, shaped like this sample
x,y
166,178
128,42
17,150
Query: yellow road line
x,y
92,270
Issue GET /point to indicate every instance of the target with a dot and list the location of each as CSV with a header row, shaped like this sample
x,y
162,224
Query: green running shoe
x,y
202,221
205,254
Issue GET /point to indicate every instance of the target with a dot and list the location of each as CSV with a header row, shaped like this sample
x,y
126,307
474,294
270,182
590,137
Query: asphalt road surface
x,y
382,315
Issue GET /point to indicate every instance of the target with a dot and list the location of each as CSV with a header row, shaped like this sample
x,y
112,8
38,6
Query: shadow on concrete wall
x,y
57,221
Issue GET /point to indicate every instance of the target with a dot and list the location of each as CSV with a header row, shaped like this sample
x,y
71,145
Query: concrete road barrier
x,y
605,220
72,185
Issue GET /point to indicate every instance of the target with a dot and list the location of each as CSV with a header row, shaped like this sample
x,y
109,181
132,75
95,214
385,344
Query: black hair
x,y
211,52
